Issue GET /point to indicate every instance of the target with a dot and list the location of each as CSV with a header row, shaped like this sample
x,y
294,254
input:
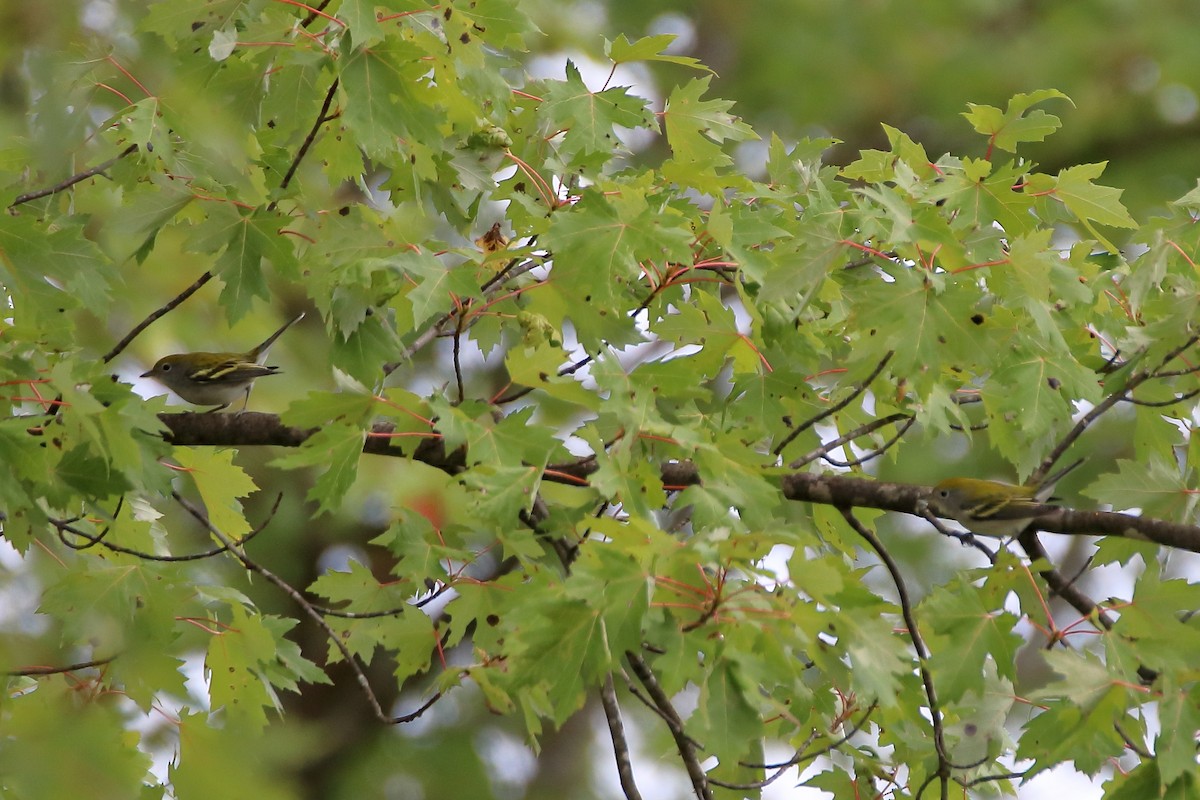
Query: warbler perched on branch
x,y
994,508
216,379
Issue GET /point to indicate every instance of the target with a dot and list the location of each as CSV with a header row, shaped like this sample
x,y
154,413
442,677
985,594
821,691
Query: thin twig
x,y
311,612
458,376
321,119
1161,403
391,612
510,270
1132,745
870,455
1093,414
801,756
965,538
633,689
858,390
148,321
1058,583
914,634
74,179
313,13
1005,776
683,743
1072,594
616,730
67,526
435,330
861,430
31,671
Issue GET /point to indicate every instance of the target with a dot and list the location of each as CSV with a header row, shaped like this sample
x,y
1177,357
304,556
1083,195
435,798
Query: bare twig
x,y
914,634
1093,414
1132,745
148,321
313,13
684,744
1162,403
34,671
311,612
458,375
907,421
649,704
74,179
616,730
876,452
965,538
322,117
836,407
801,756
1005,776
515,268
67,526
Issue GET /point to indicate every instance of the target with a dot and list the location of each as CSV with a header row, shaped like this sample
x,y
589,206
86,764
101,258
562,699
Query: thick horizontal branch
x,y
251,429
837,490
256,429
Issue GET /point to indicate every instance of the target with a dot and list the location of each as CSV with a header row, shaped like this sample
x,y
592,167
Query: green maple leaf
x,y
1175,745
982,193
144,214
438,286
233,665
1150,628
562,649
648,48
361,22
221,484
360,352
388,97
1016,124
1091,202
598,249
1155,486
725,720
338,448
696,128
589,117
1030,396
51,711
967,636
927,330
1077,723
48,270
245,238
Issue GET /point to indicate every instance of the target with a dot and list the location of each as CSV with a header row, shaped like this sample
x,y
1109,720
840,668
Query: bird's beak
x,y
147,374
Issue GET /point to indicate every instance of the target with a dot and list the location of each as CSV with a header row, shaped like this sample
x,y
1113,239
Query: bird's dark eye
x,y
165,368
943,493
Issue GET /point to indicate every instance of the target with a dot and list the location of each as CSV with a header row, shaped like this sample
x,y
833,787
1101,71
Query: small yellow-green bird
x,y
216,379
994,508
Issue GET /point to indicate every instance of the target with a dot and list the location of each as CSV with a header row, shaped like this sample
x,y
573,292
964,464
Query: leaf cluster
x,y
589,368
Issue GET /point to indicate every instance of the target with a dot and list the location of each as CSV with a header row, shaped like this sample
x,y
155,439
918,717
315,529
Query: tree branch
x,y
684,744
251,428
914,634
312,613
74,179
836,407
616,730
38,671
907,498
160,312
